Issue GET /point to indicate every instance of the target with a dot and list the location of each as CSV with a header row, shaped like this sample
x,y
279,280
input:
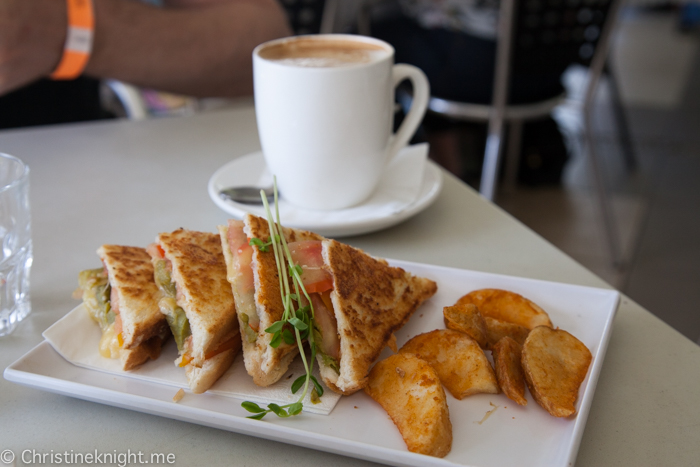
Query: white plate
x,y
358,427
367,217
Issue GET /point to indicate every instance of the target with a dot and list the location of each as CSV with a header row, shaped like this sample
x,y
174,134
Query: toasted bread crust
x,y
252,352
202,378
131,275
251,358
267,364
199,272
131,358
371,301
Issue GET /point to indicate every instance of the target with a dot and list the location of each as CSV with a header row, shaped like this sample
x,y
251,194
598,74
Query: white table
x,y
123,182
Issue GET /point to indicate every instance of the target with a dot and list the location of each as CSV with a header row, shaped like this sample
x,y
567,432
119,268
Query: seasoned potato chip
x,y
459,361
497,330
467,319
555,365
410,392
509,371
507,306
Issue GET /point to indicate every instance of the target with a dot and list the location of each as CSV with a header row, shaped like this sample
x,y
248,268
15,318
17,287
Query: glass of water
x,y
15,243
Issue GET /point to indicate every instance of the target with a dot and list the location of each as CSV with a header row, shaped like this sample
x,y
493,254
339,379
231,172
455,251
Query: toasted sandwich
x,y
122,298
190,271
358,302
368,302
252,272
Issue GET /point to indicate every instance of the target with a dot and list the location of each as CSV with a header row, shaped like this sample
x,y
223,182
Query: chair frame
x,y
499,112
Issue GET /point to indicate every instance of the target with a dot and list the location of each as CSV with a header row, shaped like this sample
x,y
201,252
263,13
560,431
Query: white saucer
x,y
379,212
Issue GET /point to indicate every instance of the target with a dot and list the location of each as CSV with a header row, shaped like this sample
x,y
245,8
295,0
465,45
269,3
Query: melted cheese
x,y
109,343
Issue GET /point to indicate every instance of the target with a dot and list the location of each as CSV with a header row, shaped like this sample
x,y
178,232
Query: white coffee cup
x,y
325,106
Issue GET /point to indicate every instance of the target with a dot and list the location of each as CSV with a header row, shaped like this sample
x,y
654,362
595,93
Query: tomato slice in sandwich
x,y
314,276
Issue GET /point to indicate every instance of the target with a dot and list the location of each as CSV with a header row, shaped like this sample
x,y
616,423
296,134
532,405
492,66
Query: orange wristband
x,y
76,52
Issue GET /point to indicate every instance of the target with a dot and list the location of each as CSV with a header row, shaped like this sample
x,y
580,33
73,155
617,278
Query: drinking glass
x,y
15,243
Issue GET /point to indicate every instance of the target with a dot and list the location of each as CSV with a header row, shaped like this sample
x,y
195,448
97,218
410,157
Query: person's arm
x,y
201,50
32,34
194,47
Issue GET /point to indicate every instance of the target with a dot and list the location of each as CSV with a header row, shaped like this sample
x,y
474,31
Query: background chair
x,y
311,16
534,35
581,30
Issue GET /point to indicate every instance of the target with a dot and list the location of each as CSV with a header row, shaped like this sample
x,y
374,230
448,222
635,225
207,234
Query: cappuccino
x,y
324,106
324,53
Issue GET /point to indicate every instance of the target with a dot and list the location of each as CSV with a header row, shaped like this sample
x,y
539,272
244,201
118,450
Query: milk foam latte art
x,y
324,108
328,54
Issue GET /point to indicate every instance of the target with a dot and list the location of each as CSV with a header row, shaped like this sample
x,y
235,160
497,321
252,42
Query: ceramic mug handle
x,y
421,94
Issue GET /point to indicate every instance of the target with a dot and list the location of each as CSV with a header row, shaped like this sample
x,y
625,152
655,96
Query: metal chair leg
x,y
596,70
621,120
603,199
329,17
513,150
489,172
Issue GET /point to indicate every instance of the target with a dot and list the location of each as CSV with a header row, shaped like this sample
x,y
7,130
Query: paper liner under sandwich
x,y
235,383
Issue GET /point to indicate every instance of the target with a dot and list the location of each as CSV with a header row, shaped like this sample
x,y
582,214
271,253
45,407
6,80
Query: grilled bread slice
x,y
208,334
123,299
252,272
371,300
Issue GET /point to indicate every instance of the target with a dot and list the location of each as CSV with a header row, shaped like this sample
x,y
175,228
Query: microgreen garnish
x,y
302,379
297,319
296,268
262,246
282,411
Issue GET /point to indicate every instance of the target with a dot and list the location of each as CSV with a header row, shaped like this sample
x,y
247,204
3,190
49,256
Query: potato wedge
x,y
466,318
458,360
555,364
507,306
509,370
410,392
497,330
